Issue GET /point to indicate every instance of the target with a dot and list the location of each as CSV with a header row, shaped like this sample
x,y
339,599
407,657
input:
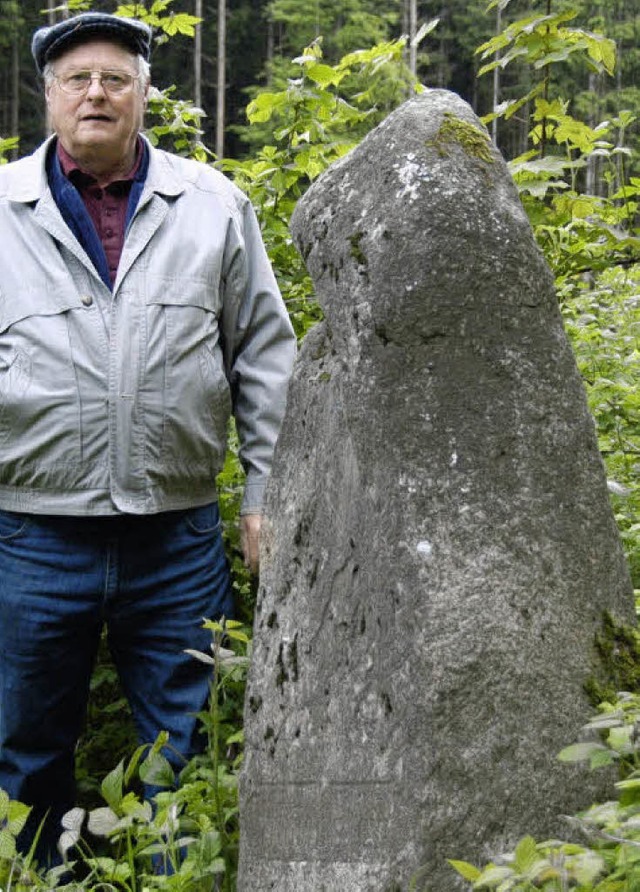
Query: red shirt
x,y
107,206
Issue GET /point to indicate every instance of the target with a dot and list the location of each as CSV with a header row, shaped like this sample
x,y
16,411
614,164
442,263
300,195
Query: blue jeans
x,y
151,580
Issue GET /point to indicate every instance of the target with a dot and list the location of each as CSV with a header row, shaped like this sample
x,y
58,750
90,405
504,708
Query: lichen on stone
x,y
473,141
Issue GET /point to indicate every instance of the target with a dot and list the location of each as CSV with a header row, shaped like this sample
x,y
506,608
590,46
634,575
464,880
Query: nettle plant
x,y
158,829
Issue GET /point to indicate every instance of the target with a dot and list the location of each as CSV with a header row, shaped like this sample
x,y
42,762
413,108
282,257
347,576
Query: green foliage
x,y
10,13
314,121
579,232
343,24
618,649
372,81
543,40
6,147
230,487
177,125
110,732
603,322
159,16
309,117
186,838
610,862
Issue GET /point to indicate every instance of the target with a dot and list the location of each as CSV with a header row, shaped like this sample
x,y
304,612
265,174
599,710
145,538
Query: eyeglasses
x,y
115,83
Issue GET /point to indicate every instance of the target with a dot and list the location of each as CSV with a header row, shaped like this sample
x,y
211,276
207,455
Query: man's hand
x,y
250,540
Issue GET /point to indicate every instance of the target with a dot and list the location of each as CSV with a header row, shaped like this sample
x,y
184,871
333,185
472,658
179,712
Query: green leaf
x,y
157,771
264,106
492,875
7,845
111,787
324,75
526,854
102,821
630,783
466,870
580,752
16,816
237,635
621,739
602,759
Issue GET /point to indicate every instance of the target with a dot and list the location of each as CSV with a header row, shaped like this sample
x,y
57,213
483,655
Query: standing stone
x,y
439,546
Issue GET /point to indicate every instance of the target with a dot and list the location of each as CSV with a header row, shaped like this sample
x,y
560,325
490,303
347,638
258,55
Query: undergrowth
x,y
184,838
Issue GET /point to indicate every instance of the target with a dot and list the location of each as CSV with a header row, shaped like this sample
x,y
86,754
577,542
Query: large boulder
x,y
439,545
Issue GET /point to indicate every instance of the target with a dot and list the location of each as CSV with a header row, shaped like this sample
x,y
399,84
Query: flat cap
x,y
50,42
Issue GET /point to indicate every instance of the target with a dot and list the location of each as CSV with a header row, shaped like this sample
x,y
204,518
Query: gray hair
x,y
144,73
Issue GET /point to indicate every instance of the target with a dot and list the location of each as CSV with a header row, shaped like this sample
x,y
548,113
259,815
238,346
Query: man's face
x,y
97,129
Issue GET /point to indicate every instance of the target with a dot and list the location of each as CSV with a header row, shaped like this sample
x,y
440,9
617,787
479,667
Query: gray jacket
x,y
119,401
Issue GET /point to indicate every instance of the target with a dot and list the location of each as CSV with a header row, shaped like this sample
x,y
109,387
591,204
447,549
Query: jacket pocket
x,y
184,356
39,403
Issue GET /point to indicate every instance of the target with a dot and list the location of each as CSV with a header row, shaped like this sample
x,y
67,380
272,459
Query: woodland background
x,y
243,46
273,91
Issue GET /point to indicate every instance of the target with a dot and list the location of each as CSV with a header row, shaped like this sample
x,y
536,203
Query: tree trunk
x,y
197,57
591,183
270,50
222,58
496,80
413,29
15,88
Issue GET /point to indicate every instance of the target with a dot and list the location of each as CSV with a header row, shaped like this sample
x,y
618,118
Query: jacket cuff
x,y
253,496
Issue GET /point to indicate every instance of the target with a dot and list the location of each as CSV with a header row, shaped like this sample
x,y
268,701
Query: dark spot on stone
x,y
282,675
255,703
293,658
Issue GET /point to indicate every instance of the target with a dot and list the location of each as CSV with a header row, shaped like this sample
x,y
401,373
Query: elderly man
x,y
138,310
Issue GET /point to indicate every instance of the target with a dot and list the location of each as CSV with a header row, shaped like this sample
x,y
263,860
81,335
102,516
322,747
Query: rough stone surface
x,y
439,543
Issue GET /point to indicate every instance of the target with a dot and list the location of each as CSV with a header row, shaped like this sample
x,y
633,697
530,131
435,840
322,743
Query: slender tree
x,y
197,56
222,80
15,86
496,79
413,30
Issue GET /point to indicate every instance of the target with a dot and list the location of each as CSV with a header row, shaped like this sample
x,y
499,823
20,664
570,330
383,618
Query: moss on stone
x,y
474,142
356,250
618,650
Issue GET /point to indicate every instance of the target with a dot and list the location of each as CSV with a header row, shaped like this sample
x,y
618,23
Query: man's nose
x,y
95,90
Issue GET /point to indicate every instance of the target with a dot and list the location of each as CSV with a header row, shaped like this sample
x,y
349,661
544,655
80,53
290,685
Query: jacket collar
x,y
162,176
29,182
